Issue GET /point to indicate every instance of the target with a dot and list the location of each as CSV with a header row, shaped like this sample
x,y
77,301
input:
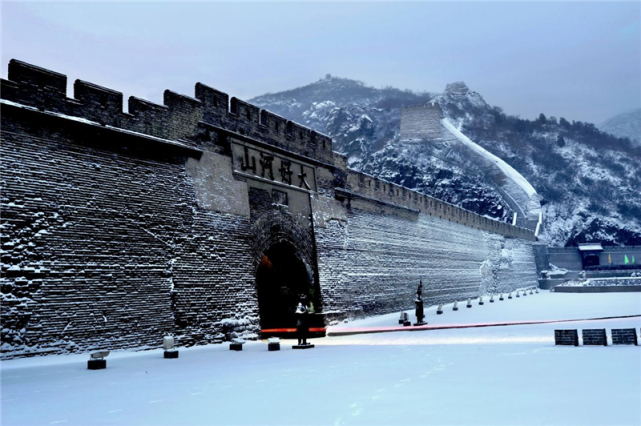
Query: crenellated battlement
x,y
433,105
178,118
361,184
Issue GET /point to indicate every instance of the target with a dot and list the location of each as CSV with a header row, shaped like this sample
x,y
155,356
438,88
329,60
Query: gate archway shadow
x,y
282,277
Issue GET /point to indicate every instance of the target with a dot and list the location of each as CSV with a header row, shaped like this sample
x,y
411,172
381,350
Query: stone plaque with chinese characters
x,y
273,167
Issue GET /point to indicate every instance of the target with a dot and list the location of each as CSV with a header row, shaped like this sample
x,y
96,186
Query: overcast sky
x,y
581,61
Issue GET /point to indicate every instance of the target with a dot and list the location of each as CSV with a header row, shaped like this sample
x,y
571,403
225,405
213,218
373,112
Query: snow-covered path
x,y
495,376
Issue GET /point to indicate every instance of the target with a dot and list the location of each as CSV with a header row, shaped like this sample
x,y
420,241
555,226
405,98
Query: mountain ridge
x,y
626,124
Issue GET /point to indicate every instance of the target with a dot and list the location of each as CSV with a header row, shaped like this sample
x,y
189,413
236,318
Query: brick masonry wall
x,y
568,259
372,263
595,336
624,336
120,227
566,337
364,186
542,257
109,249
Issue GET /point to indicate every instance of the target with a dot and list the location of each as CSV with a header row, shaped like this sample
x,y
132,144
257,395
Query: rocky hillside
x,y
626,125
589,180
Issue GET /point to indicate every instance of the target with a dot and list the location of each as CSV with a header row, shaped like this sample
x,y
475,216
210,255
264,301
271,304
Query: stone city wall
x,y
365,186
372,263
118,228
104,247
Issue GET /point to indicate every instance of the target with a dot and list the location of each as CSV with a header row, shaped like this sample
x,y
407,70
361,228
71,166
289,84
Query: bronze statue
x,y
419,304
301,323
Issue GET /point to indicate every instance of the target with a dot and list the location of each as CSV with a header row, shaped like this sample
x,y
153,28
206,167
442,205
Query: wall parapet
x,y
172,145
380,189
177,119
345,193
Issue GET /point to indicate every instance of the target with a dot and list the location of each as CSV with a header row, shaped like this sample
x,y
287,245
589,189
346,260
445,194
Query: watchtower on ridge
x,y
422,121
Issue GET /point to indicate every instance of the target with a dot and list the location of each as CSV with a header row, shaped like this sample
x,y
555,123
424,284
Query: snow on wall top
x,y
532,205
506,168
178,118
590,246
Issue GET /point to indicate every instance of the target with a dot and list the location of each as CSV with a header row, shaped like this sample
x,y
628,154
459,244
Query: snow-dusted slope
x,y
626,125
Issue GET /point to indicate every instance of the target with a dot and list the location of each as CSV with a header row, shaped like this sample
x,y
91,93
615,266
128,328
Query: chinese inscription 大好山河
x,y
302,177
285,172
274,167
245,162
266,165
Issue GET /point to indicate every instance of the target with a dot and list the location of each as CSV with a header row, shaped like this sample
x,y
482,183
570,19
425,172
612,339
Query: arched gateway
x,y
285,270
282,277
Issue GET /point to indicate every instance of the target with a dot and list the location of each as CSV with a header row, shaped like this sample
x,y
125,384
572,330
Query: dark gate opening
x,y
590,259
281,279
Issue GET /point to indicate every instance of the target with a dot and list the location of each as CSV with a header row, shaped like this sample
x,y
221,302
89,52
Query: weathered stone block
x,y
566,337
597,337
96,364
624,336
273,347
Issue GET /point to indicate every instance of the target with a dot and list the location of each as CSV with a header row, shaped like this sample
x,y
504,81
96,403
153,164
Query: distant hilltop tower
x,y
422,121
427,123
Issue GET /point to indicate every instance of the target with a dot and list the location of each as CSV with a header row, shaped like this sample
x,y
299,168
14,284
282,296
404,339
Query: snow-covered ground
x,y
544,306
510,375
